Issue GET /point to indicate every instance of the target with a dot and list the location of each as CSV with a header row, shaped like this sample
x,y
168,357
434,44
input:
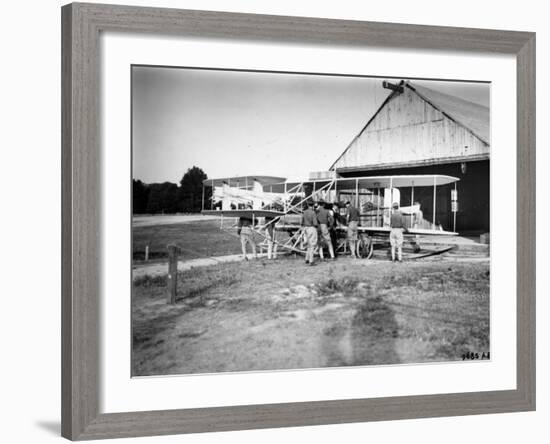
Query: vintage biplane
x,y
274,200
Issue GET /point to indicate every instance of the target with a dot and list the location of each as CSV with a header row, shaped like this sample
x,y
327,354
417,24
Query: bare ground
x,y
262,315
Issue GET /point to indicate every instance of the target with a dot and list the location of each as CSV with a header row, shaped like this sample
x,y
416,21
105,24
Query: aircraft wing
x,y
243,213
378,230
414,231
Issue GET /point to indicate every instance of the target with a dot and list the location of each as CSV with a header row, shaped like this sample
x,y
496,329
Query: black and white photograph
x,y
285,221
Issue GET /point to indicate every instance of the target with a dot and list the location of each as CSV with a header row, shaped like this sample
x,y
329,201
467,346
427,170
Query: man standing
x,y
352,218
418,221
270,235
325,221
337,220
244,230
397,224
310,224
418,216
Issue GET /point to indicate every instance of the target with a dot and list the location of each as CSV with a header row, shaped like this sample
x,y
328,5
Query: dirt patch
x,y
268,315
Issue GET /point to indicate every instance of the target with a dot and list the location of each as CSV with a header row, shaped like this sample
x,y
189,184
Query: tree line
x,y
168,197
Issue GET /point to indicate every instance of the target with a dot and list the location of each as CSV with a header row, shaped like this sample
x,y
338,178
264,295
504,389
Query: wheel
x,y
365,247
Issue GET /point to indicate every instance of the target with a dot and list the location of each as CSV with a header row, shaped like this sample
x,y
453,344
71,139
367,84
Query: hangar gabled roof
x,y
472,116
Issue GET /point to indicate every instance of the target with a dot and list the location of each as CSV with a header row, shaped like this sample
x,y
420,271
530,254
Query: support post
x,y
146,253
203,197
433,217
357,193
285,203
454,214
172,274
454,222
391,199
378,205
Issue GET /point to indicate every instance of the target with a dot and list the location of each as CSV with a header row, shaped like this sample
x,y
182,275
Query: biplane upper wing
x,y
373,182
245,182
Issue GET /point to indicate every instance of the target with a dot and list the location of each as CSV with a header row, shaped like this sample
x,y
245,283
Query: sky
x,y
252,123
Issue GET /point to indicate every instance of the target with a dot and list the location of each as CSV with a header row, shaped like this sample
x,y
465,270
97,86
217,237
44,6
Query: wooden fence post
x,y
172,274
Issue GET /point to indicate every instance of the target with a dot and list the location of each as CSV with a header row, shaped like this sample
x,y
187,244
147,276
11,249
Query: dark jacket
x,y
352,214
243,222
323,216
309,218
397,220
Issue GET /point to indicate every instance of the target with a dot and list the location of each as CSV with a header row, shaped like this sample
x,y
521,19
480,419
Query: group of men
x,y
320,221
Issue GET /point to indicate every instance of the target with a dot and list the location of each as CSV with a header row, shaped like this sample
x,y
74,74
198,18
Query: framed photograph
x,y
278,221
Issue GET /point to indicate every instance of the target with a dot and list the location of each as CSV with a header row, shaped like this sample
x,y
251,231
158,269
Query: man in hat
x,y
310,224
352,218
418,221
270,236
325,221
397,224
336,221
244,230
418,215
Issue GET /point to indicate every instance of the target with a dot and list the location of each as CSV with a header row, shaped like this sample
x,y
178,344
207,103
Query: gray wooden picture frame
x,y
81,176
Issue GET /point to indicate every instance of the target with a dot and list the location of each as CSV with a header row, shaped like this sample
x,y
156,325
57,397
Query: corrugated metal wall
x,y
408,129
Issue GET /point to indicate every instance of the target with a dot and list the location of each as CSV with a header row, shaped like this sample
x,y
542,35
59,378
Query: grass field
x,y
196,239
261,315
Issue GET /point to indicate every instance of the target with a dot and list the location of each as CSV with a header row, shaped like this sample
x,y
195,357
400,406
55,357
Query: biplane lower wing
x,y
379,230
243,213
414,231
